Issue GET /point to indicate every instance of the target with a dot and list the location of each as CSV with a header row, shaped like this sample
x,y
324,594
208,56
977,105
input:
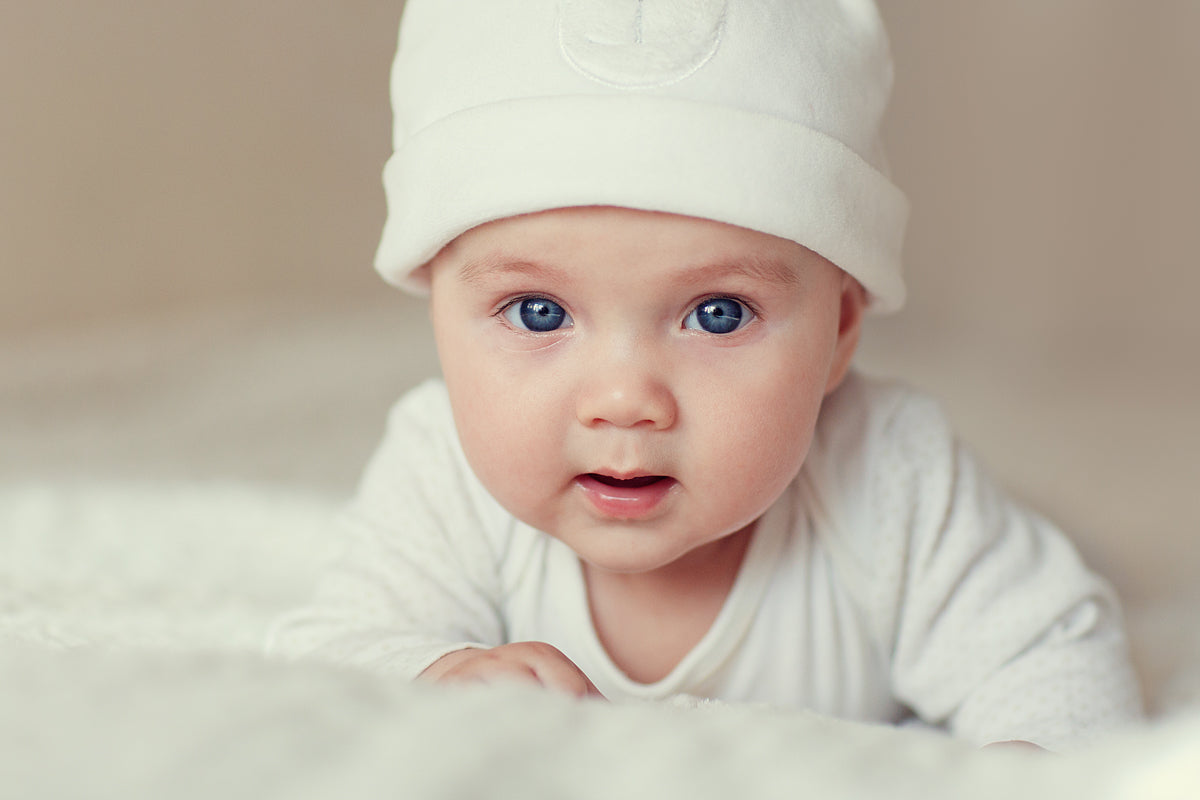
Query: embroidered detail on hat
x,y
638,44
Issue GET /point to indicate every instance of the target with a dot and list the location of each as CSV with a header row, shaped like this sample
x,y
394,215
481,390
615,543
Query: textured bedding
x,y
166,488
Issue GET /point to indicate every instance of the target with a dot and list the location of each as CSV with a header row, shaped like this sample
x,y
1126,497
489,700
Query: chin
x,y
620,567
626,563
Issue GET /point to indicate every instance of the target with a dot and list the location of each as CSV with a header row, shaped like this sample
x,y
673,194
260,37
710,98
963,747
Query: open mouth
x,y
627,483
625,498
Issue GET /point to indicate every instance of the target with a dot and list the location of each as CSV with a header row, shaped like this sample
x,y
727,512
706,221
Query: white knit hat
x,y
759,113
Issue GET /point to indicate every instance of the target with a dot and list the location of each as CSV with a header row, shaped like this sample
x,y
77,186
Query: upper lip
x,y
623,476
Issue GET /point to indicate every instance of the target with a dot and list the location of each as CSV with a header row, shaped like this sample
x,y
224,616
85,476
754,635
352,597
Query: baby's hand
x,y
534,662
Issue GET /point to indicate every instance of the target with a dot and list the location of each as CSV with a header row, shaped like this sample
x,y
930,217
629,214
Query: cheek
x,y
504,423
772,433
475,397
499,412
761,428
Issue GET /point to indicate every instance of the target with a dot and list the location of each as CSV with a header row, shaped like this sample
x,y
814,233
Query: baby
x,y
650,230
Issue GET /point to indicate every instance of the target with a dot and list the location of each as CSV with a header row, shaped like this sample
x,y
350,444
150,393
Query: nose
x,y
626,395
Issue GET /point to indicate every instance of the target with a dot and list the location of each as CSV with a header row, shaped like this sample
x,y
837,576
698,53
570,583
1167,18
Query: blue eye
x,y
537,314
718,315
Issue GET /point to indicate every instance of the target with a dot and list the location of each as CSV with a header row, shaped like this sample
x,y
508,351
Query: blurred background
x,y
190,202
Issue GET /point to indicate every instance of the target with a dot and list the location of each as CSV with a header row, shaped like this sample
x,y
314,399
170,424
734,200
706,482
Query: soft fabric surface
x,y
131,618
166,490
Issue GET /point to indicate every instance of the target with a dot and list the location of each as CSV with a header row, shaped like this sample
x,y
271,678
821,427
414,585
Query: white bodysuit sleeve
x,y
417,576
999,630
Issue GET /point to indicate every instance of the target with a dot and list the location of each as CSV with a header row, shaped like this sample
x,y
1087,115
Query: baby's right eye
x,y
537,314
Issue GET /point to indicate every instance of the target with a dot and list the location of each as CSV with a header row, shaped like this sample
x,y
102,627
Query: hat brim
x,y
533,154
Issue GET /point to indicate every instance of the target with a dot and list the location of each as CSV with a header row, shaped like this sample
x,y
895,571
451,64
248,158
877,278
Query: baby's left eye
x,y
719,315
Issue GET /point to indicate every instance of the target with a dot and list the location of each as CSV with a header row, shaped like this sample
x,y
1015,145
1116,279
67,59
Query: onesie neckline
x,y
727,629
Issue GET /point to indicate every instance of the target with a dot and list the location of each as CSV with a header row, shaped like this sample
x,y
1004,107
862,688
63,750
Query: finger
x,y
556,671
487,669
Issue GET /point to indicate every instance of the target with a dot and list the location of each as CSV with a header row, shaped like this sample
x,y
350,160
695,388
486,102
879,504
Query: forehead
x,y
607,238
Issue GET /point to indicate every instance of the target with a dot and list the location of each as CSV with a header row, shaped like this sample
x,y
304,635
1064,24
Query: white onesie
x,y
891,579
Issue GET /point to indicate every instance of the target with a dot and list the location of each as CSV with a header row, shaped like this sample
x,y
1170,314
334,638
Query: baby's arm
x,y
418,575
1001,631
530,662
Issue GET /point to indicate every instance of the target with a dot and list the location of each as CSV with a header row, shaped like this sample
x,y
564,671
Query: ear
x,y
853,305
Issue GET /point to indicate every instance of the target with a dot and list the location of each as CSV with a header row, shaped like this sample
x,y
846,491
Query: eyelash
x,y
708,298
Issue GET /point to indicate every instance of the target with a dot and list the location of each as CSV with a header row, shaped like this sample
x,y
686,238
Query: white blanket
x,y
166,490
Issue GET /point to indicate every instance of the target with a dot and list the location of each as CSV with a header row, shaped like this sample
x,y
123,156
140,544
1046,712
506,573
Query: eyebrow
x,y
753,267
757,268
498,264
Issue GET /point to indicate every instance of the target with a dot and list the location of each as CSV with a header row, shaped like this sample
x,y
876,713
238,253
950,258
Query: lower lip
x,y
622,502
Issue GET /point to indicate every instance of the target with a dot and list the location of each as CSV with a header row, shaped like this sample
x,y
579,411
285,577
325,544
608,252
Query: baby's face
x,y
638,385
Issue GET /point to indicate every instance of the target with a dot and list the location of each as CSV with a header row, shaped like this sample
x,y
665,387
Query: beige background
x,y
157,157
